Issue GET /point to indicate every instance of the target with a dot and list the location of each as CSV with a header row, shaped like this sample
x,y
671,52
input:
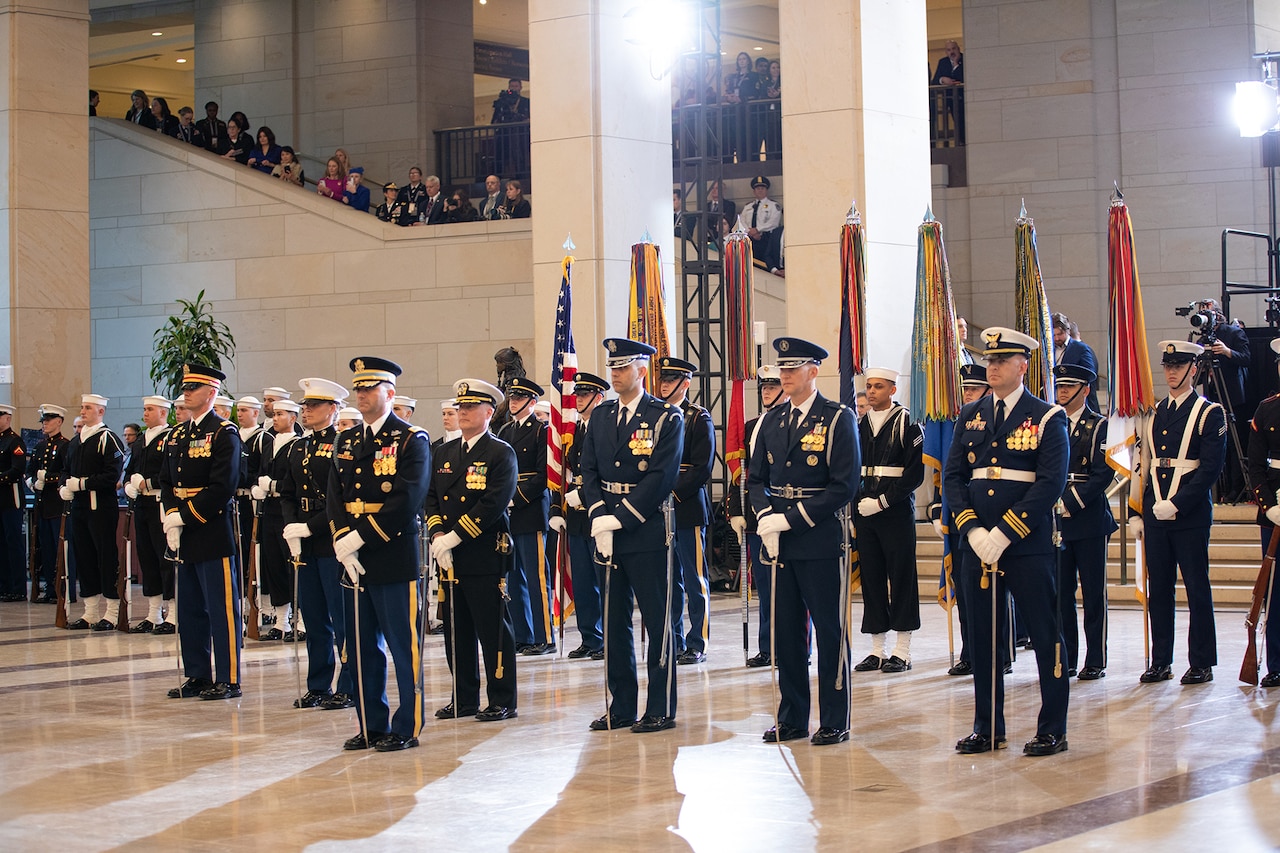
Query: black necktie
x,y
795,425
755,214
622,422
999,420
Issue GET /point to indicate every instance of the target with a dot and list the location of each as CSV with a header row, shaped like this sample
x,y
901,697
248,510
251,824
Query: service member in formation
x,y
803,473
530,581
448,417
1264,473
1182,452
404,407
376,489
474,480
1006,469
142,487
303,489
252,437
1086,523
95,461
197,485
275,572
885,520
13,493
269,398
588,393
48,460
630,460
742,518
348,416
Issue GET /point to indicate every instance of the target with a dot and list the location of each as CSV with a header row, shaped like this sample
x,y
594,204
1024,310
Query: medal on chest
x,y
641,443
815,440
384,463
1025,437
478,475
199,448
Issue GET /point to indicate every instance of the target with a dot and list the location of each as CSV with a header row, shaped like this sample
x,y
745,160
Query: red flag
x,y
735,449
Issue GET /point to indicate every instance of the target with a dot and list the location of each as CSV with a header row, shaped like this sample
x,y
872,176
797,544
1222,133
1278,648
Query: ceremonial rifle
x,y
62,580
1262,589
122,581
31,551
254,616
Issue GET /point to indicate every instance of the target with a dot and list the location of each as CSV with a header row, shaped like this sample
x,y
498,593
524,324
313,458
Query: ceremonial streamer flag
x,y
1032,307
564,418
740,361
646,318
853,304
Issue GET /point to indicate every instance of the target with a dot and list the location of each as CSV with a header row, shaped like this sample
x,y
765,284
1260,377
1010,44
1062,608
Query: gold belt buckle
x,y
994,472
356,507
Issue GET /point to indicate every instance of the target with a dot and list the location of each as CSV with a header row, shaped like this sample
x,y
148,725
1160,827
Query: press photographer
x,y
510,106
1226,354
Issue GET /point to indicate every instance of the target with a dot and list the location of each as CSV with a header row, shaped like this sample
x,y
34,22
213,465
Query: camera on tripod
x,y
1273,311
1201,315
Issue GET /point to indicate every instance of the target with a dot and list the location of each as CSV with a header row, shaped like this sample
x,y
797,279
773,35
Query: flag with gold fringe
x,y
1031,315
646,317
563,426
740,360
853,304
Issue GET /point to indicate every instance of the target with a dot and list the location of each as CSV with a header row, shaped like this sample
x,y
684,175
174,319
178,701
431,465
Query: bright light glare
x,y
1256,108
660,26
181,60
157,33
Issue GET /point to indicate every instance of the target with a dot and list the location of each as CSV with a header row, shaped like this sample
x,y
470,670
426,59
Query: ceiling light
x,y
157,33
181,60
757,47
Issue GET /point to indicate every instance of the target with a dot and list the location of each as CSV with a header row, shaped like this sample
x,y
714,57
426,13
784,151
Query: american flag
x,y
564,367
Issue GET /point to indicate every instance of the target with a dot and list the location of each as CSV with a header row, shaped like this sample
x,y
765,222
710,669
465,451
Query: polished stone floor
x,y
95,758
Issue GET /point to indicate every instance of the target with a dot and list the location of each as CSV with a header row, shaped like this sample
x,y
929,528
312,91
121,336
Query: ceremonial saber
x,y
608,564
177,634
667,638
241,566
846,600
122,614
424,623
364,719
773,644
296,561
990,571
497,669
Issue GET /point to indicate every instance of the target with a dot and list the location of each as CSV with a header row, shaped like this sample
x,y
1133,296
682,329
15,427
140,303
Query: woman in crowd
x,y
266,155
344,162
166,122
333,182
238,145
516,206
459,207
288,169
733,82
140,113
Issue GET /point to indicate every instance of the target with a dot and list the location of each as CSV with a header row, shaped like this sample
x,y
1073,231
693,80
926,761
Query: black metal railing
x,y
466,155
946,116
747,132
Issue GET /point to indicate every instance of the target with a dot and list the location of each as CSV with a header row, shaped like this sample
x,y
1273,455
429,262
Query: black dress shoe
x,y
449,713
394,743
146,626
268,619
598,654
894,664
1156,673
649,723
582,651
611,721
783,732
1071,673
1271,679
496,712
976,743
759,659
867,664
46,598
689,656
104,625
165,628
14,596
190,688
539,649
1008,668
295,636
1198,675
359,741
311,699
1023,643
1092,673
273,634
337,702
438,629
1046,745
961,668
221,690
520,647
826,736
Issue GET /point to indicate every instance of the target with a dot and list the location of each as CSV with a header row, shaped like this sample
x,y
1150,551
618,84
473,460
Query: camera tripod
x,y
1214,373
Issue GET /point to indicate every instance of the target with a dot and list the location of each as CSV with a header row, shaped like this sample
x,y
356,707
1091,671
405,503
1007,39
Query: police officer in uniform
x,y
1264,473
804,472
13,547
630,460
142,487
588,392
885,519
376,489
1086,523
197,485
474,480
47,461
764,224
1182,452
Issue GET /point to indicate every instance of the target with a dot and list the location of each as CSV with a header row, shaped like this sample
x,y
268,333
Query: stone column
x,y
601,130
44,212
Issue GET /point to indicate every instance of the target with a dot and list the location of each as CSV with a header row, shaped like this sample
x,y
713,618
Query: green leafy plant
x,y
191,335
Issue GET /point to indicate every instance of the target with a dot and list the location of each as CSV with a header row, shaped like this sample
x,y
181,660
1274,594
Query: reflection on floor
x,y
95,758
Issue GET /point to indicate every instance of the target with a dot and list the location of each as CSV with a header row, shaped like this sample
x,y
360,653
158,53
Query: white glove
x,y
173,536
75,484
937,528
257,493
266,483
1273,515
65,493
38,485
170,520
445,542
573,499
295,546
993,547
297,530
738,523
978,537
41,474
130,490
1164,510
347,545
868,507
139,482
770,542
556,523
353,567
604,543
771,524
445,560
1135,527
605,524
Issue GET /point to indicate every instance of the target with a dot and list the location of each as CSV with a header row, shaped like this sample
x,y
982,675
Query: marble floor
x,y
95,758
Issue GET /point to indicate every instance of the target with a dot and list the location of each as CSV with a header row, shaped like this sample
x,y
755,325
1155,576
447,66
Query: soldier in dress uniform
x,y
391,210
1264,473
885,518
303,489
1006,469
142,487
197,485
573,523
13,546
48,461
803,473
630,461
376,489
529,584
473,481
275,572
1086,523
449,418
95,461
252,437
1182,452
692,510
743,517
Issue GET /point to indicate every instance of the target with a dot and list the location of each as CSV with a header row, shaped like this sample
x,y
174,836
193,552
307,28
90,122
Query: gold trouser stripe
x,y
542,588
418,700
233,640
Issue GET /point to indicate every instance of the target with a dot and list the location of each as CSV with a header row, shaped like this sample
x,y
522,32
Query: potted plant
x,y
191,335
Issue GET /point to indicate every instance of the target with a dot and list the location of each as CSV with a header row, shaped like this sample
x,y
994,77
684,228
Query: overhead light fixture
x,y
1256,107
157,33
181,61
757,47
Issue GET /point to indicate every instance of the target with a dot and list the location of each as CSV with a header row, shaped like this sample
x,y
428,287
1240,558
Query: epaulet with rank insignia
x,y
229,424
413,428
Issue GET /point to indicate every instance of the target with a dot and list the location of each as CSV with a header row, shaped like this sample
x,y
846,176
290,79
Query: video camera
x,y
1202,316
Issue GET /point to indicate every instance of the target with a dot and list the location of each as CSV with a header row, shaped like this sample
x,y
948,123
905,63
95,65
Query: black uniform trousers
x,y
320,600
691,580
149,542
1087,560
275,572
887,557
482,618
639,577
93,536
387,622
1030,580
1168,550
210,588
804,590
15,552
1273,618
530,591
962,599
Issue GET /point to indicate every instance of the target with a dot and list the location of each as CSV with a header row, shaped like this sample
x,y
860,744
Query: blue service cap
x,y
589,383
523,386
796,352
1073,374
671,364
623,351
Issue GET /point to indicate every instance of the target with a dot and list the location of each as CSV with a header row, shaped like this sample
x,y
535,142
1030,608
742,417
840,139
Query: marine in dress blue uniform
x,y
1006,469
1183,447
630,460
1264,473
1085,525
803,474
197,485
13,493
142,487
47,462
376,489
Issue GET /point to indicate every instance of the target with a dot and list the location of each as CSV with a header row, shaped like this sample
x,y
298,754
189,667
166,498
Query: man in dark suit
x,y
1086,523
1006,469
213,128
492,201
950,72
803,475
1068,350
1182,451
630,459
474,480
